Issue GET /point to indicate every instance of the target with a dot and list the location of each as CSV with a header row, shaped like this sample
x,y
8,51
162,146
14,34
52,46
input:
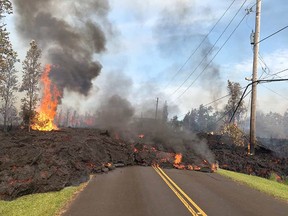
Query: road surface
x,y
145,191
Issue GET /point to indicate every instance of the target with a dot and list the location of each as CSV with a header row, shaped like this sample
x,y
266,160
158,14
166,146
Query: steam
x,y
70,39
179,31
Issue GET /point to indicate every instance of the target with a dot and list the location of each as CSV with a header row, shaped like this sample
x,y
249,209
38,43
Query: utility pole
x,y
156,113
254,80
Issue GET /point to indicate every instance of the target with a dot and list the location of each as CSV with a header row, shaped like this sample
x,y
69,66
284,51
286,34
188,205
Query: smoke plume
x,y
179,31
70,34
116,113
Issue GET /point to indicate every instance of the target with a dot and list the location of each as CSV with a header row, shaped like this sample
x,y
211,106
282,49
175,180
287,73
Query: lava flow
x,y
44,120
177,162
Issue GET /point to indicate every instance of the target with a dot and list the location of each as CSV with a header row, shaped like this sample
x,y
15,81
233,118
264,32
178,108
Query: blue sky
x,y
152,40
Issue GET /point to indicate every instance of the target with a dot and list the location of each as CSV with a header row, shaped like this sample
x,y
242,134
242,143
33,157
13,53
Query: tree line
x,y
9,83
207,119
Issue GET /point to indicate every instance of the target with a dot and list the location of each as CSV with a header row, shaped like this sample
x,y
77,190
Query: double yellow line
x,y
192,207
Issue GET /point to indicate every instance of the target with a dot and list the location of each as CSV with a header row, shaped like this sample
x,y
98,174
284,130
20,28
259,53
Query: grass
x,y
44,204
267,186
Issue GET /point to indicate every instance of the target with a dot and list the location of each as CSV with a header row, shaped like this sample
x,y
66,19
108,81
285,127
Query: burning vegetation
x,y
46,112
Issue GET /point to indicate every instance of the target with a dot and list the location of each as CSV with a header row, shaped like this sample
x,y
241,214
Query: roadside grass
x,y
44,204
267,186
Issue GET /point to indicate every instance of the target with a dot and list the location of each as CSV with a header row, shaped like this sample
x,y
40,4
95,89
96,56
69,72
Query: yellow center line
x,y
190,209
176,187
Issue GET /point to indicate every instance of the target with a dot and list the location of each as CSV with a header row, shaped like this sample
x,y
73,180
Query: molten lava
x,y
178,158
177,162
44,120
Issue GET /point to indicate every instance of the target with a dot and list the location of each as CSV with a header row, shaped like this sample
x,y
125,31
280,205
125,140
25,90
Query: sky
x,y
149,54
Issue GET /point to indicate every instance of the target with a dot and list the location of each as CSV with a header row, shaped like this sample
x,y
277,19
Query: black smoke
x,y
70,33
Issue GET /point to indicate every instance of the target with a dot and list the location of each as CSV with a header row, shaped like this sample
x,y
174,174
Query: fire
x,y
214,167
177,162
44,121
178,158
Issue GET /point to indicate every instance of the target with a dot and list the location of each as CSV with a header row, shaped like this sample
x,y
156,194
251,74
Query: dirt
x,y
39,162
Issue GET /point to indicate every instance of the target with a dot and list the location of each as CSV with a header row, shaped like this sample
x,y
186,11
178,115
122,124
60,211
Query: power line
x,y
217,100
212,48
220,98
205,105
213,57
279,72
257,82
200,44
273,34
239,103
275,92
226,113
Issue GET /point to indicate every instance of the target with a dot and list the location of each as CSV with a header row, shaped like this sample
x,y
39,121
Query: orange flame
x,y
44,121
178,158
177,162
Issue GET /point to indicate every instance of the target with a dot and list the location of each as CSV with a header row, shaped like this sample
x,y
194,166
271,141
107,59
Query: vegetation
x,y
31,76
45,204
234,90
270,187
8,87
235,133
8,78
203,119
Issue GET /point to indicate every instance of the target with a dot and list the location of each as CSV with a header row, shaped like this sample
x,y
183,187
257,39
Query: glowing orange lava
x,y
178,158
44,120
177,162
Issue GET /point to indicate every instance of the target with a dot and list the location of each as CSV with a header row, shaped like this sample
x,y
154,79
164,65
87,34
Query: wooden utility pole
x,y
156,112
254,80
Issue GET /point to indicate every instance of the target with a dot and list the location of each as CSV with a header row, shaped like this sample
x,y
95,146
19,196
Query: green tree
x,y
234,90
203,119
5,49
31,76
8,87
8,58
190,121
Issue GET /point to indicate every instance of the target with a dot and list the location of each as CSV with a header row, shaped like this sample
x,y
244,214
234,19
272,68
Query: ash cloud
x,y
69,39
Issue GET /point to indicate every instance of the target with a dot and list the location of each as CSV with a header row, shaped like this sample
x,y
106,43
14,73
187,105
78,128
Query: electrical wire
x,y
279,72
239,103
221,98
183,65
227,112
212,48
205,105
273,34
275,92
212,58
257,81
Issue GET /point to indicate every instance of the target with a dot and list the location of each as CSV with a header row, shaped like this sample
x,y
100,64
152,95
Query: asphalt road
x,y
140,191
